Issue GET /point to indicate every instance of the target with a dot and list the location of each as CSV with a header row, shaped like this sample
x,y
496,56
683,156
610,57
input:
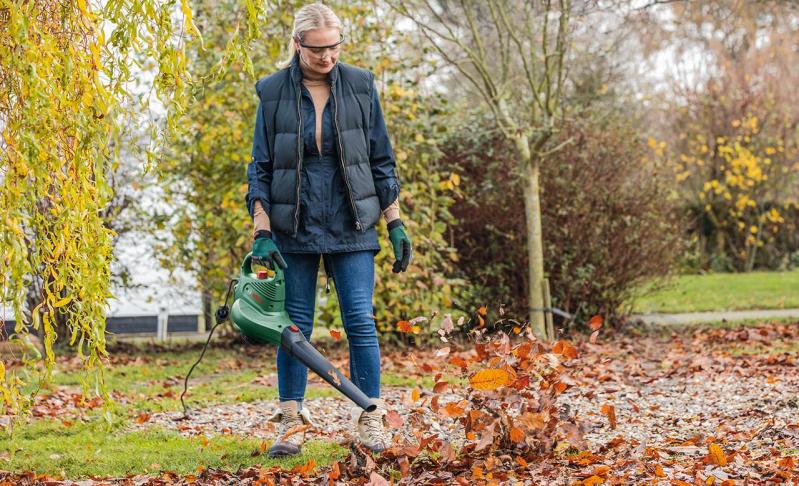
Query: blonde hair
x,y
310,17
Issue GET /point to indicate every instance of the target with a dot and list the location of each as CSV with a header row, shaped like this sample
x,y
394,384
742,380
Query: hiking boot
x,y
291,431
369,426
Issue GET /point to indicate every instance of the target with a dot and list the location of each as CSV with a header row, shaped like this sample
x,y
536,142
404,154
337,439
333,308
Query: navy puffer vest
x,y
280,95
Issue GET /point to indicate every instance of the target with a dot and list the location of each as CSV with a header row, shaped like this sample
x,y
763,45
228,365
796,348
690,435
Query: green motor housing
x,y
259,311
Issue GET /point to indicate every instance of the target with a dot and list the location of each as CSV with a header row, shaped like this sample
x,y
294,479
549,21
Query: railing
x,y
160,326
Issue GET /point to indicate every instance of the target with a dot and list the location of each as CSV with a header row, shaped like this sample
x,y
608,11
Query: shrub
x,y
608,221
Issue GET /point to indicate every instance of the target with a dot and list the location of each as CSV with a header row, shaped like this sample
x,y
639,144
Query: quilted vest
x,y
280,95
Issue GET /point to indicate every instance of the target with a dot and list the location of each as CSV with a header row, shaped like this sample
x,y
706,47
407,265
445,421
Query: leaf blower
x,y
258,313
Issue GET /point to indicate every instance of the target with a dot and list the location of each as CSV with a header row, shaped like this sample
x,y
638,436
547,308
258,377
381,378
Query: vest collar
x,y
296,71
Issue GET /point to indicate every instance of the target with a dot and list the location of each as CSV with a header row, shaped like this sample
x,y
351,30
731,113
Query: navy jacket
x,y
325,215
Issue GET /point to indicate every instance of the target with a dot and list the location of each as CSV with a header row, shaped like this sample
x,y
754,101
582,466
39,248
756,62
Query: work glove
x,y
403,250
265,252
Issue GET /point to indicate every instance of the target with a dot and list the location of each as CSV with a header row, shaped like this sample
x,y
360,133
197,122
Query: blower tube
x,y
294,343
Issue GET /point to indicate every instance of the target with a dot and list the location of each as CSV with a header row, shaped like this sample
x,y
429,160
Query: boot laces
x,y
287,422
373,427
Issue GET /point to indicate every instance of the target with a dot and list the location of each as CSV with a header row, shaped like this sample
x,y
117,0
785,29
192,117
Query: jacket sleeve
x,y
259,170
382,158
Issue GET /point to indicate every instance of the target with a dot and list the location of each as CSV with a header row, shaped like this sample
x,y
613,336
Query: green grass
x,y
89,448
655,329
766,349
155,384
724,291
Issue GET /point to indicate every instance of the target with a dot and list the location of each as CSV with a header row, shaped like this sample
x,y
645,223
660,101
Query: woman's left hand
x,y
403,250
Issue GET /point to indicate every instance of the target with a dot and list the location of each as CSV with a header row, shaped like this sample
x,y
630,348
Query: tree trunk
x,y
206,305
535,243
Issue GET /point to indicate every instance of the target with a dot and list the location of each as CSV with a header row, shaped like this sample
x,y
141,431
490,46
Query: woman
x,y
321,174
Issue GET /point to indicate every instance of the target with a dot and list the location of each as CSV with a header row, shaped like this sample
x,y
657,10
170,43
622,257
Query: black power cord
x,y
222,315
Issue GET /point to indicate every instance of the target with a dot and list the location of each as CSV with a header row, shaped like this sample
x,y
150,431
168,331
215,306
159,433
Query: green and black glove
x,y
403,250
265,251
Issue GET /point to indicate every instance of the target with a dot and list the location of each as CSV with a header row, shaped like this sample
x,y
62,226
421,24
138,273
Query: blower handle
x,y
294,343
246,265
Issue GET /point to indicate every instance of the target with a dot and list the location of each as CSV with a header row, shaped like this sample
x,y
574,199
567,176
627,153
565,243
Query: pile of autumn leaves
x,y
501,393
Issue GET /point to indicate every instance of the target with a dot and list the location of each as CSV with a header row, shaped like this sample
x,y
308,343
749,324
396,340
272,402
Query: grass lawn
x,y
724,291
77,443
81,443
85,449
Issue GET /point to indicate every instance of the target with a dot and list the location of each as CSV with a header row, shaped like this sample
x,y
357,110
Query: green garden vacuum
x,y
259,314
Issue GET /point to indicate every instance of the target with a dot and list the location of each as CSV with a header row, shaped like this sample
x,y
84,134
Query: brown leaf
x,y
440,386
490,379
486,439
394,420
376,479
142,418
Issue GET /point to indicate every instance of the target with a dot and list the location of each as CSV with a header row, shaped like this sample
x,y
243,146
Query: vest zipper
x,y
343,163
299,162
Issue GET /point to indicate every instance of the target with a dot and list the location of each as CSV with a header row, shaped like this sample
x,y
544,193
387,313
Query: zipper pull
x,y
358,225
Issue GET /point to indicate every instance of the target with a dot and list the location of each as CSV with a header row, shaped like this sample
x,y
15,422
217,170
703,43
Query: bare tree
x,y
513,53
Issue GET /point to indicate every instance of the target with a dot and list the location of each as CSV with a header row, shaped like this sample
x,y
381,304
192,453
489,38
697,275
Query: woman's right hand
x,y
265,251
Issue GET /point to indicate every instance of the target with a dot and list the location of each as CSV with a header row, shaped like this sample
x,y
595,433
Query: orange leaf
x,y
595,322
659,471
440,386
610,411
516,434
143,417
593,480
482,311
521,461
306,468
602,470
565,349
717,454
454,409
404,326
335,334
490,379
335,471
415,395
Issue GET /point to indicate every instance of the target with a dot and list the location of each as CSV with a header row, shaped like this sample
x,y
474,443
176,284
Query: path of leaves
x,y
690,408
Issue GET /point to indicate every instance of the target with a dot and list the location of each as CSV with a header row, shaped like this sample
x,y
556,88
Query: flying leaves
x,y
490,379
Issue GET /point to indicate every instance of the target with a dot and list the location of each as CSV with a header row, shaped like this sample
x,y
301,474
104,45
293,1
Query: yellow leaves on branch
x,y
490,379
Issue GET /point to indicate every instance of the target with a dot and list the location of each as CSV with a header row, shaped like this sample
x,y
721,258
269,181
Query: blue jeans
x,y
354,277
